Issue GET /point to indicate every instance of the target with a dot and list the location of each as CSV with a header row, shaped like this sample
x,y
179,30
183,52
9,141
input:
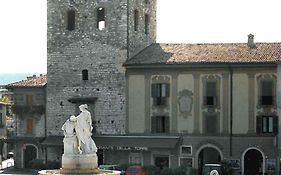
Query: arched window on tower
x,y
70,20
146,24
85,74
100,18
136,20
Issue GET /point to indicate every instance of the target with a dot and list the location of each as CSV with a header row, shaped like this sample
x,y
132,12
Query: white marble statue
x,y
70,140
83,129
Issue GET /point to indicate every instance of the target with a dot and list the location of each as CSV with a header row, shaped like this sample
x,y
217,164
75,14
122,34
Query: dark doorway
x,y
161,161
30,153
253,162
208,155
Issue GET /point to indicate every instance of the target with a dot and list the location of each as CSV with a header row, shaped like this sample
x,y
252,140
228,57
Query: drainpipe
x,y
231,111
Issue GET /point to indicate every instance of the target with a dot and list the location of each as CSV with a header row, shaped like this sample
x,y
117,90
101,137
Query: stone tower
x,y
88,41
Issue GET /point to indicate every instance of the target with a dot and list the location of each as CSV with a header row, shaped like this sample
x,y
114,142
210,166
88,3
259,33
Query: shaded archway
x,y
208,154
253,162
29,153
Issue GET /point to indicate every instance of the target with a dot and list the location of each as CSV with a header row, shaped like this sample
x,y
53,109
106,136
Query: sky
x,y
23,27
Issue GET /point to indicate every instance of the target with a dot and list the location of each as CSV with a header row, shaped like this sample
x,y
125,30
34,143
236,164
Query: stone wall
x,y
102,53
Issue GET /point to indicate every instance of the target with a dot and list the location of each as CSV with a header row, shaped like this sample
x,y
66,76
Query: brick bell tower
x,y
88,41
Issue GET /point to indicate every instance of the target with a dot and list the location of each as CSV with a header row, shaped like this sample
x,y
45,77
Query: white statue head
x,y
83,107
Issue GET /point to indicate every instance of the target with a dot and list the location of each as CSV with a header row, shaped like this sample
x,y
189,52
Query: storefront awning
x,y
123,142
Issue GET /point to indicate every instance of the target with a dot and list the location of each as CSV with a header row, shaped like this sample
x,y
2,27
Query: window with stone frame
x,y
210,97
70,19
136,20
267,124
85,74
146,24
101,18
160,124
160,92
211,124
266,93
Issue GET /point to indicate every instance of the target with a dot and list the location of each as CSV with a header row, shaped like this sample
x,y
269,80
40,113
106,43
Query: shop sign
x,y
123,148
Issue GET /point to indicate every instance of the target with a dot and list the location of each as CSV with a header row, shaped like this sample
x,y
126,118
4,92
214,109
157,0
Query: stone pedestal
x,y
79,162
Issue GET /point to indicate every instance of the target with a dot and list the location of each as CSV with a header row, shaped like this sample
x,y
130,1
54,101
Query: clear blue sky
x,y
23,28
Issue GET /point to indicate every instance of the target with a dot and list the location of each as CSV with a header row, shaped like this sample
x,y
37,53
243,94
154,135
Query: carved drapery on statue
x,y
78,132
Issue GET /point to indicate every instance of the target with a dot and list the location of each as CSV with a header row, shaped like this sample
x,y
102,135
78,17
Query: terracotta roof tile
x,y
207,53
34,81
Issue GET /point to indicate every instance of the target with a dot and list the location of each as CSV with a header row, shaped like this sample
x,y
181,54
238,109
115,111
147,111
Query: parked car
x,y
112,167
135,170
212,169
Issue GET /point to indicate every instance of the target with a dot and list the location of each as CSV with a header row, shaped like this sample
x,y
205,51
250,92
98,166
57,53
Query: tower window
x,y
85,74
101,18
70,20
146,23
136,20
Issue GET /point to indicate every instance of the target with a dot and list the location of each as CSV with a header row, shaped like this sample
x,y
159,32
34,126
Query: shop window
x,y
186,150
160,124
211,124
267,124
135,159
146,23
266,96
29,126
101,18
210,98
160,92
70,20
85,74
161,161
136,20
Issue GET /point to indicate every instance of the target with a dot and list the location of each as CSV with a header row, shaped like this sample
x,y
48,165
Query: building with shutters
x,y
29,102
167,105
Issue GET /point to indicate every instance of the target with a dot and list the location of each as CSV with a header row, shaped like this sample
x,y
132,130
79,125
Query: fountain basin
x,y
80,172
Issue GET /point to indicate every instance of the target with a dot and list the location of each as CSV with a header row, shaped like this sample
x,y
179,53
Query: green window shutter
x,y
154,90
153,124
167,124
167,93
275,124
259,125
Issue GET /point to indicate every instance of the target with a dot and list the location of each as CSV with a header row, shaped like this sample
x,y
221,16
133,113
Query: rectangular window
x,y
211,124
29,100
267,124
211,94
29,126
136,20
101,18
185,150
159,93
70,20
266,97
19,100
146,23
160,124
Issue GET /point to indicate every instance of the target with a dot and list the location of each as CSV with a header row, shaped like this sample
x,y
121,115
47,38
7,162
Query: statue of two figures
x,y
78,132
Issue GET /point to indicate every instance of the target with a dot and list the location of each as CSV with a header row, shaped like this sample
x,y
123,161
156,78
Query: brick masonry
x,y
102,53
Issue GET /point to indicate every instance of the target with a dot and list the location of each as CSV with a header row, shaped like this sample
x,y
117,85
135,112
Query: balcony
x,y
24,109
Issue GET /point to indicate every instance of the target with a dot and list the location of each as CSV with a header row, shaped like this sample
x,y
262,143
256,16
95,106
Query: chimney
x,y
251,43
